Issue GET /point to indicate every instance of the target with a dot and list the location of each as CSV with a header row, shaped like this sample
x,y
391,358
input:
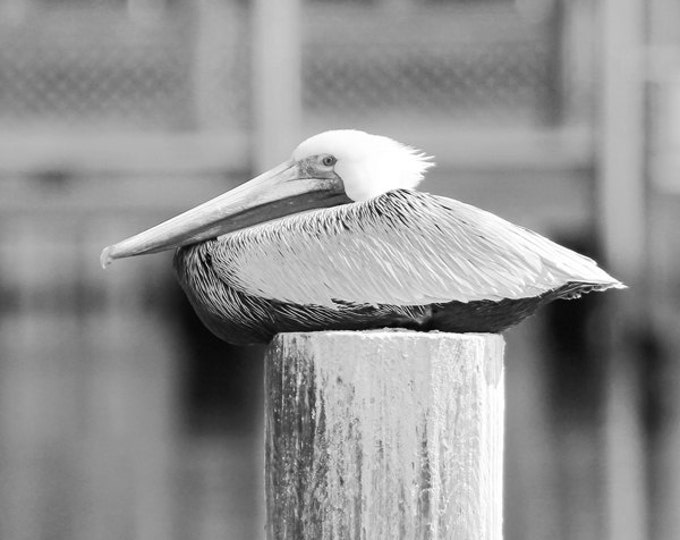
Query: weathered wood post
x,y
384,435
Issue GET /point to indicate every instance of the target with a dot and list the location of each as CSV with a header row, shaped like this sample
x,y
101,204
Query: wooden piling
x,y
384,435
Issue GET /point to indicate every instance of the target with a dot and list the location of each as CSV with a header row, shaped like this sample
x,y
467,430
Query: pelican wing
x,y
401,248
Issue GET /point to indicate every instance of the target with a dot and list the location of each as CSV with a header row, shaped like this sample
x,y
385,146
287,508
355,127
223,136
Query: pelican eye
x,y
328,161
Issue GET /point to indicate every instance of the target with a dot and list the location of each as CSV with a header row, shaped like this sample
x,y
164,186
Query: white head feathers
x,y
369,165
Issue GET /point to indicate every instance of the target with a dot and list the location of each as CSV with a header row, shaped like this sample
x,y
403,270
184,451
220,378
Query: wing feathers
x,y
402,248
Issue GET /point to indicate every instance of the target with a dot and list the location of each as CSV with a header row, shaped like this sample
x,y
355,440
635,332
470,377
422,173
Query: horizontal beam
x,y
491,149
45,149
459,145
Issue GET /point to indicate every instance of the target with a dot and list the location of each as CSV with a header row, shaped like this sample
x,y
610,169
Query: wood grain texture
x,y
384,435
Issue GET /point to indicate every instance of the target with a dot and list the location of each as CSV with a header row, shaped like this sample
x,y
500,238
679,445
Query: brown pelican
x,y
338,238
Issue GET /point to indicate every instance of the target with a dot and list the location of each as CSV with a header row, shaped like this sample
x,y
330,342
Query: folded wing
x,y
402,248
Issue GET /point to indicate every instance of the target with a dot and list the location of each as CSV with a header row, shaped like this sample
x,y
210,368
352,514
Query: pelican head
x,y
331,168
368,165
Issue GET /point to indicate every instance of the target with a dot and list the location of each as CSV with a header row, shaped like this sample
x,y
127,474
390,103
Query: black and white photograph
x,y
339,270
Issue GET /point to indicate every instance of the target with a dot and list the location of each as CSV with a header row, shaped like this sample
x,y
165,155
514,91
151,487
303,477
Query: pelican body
x,y
337,238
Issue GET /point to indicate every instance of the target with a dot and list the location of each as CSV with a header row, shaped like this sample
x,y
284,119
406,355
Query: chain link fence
x,y
94,67
475,65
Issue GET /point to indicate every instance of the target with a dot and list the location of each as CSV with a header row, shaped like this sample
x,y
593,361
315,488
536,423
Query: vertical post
x,y
276,79
664,466
623,139
622,205
384,434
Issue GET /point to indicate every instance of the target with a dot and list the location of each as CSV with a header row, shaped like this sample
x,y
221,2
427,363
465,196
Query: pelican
x,y
338,238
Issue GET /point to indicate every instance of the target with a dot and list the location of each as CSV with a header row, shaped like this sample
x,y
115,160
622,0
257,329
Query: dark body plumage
x,y
212,272
244,318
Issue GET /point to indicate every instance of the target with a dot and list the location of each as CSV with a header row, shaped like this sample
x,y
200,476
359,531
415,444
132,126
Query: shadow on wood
x,y
384,435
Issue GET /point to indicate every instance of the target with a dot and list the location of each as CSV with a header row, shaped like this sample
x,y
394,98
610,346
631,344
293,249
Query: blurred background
x,y
122,418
